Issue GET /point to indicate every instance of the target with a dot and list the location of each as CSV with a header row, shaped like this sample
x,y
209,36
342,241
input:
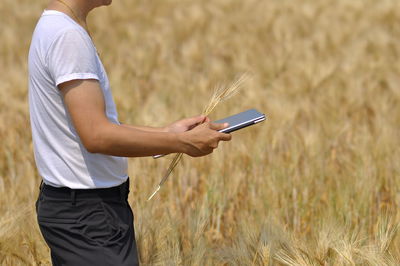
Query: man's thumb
x,y
218,126
198,119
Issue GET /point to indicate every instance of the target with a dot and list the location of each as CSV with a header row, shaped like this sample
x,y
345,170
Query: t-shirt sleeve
x,y
72,56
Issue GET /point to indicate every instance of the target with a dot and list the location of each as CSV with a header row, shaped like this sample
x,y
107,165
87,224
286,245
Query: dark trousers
x,y
87,227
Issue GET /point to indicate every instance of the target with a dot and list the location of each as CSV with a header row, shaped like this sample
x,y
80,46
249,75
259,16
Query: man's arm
x,y
178,126
146,128
85,103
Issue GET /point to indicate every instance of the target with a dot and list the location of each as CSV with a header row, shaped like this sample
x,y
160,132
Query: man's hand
x,y
203,139
186,124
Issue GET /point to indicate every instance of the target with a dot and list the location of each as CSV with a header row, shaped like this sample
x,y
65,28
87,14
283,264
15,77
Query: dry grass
x,y
316,184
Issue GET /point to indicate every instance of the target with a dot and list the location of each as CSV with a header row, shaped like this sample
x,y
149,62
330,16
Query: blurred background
x,y
316,184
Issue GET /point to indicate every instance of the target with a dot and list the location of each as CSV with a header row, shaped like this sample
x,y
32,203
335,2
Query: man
x,y
80,145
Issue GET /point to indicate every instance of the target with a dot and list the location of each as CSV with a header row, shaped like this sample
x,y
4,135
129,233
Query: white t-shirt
x,y
61,50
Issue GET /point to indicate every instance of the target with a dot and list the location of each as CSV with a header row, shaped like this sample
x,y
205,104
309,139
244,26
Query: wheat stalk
x,y
220,94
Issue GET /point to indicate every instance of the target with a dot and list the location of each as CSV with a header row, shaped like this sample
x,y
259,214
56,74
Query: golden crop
x,y
318,183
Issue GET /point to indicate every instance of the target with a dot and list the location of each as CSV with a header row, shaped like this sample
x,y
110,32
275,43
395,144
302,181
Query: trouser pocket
x,y
106,224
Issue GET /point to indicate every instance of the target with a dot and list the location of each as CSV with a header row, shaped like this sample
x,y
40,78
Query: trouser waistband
x,y
66,193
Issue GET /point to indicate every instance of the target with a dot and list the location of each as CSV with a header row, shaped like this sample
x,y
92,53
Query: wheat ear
x,y
220,94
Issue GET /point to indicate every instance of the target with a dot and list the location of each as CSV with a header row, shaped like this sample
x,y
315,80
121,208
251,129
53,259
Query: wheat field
x,y
318,183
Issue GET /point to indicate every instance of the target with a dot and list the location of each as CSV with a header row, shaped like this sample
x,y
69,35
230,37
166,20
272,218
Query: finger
x,y
225,137
214,145
205,152
195,121
217,126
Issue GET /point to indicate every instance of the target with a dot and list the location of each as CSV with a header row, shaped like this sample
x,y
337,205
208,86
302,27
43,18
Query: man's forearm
x,y
146,128
127,141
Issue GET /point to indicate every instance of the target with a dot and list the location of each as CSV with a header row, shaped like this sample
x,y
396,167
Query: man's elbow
x,y
95,139
94,144
92,148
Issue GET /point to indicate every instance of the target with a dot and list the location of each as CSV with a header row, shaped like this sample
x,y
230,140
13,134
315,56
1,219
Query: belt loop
x,y
73,197
41,186
126,188
121,192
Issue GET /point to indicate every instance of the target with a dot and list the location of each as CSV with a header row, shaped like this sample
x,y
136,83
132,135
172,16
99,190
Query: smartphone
x,y
241,120
238,121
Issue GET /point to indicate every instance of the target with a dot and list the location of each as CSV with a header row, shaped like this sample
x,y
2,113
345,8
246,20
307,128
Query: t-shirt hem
x,y
83,185
75,76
